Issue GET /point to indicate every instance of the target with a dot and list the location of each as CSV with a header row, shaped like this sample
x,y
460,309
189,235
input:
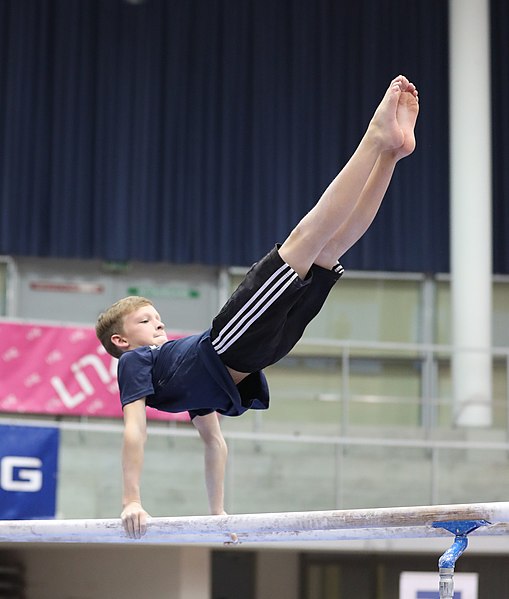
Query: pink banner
x,y
62,370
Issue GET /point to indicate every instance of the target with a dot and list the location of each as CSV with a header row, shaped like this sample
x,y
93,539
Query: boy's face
x,y
141,327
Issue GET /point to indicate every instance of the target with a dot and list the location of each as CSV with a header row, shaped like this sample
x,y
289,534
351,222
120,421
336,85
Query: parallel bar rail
x,y
377,523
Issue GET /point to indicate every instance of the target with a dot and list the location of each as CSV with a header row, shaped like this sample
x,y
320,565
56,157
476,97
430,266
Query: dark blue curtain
x,y
201,131
500,128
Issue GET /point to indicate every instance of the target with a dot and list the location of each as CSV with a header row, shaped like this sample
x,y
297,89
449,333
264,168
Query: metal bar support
x,y
447,562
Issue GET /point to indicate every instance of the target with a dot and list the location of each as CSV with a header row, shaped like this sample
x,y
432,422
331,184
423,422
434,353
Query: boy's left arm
x,y
216,453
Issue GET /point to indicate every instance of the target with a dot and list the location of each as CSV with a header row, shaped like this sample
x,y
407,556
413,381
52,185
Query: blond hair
x,y
111,321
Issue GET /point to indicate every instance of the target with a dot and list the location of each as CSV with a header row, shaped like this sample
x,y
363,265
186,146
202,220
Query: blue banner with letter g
x,y
28,472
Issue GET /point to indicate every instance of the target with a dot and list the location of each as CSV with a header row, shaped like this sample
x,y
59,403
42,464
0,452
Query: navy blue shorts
x,y
268,312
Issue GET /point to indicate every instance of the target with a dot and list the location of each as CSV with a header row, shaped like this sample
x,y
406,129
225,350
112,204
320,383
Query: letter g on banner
x,y
28,472
29,475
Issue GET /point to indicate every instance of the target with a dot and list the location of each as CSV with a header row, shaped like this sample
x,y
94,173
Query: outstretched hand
x,y
134,520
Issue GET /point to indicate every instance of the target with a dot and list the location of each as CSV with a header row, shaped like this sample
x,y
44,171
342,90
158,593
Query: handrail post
x,y
345,391
507,396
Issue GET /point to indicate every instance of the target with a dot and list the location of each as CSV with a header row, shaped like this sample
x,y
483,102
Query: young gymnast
x,y
220,370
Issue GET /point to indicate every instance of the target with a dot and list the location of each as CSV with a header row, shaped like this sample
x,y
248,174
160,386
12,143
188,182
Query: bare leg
x,y
384,134
373,193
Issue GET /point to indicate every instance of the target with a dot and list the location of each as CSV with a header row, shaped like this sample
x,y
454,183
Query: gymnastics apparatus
x,y
459,520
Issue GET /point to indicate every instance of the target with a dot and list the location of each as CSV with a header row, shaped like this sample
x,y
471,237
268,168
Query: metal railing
x,y
426,464
428,355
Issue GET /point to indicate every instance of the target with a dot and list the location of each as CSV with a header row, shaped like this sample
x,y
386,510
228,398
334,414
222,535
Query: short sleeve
x,y
135,375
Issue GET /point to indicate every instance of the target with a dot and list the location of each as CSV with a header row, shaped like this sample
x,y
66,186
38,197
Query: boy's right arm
x,y
134,517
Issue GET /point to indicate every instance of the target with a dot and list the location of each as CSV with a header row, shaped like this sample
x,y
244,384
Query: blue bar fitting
x,y
446,563
459,528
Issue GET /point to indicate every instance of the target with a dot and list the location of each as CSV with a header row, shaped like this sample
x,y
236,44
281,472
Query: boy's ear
x,y
119,341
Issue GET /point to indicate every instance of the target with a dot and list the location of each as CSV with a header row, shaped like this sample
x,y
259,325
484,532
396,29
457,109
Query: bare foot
x,y
384,129
406,115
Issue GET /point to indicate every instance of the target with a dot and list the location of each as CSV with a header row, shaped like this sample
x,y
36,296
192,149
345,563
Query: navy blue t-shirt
x,y
188,375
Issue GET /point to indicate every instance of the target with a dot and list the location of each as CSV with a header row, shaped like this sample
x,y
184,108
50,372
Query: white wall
x,y
186,296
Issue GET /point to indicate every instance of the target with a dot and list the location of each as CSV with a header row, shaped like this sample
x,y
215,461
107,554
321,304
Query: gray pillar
x,y
471,236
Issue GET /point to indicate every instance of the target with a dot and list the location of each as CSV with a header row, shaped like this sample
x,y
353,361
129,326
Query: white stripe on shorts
x,y
254,308
338,269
